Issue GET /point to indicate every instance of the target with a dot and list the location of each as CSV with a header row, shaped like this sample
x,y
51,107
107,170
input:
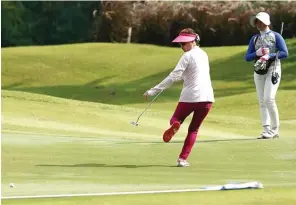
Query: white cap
x,y
261,16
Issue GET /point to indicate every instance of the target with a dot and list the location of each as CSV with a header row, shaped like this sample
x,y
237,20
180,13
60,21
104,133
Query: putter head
x,y
274,78
134,123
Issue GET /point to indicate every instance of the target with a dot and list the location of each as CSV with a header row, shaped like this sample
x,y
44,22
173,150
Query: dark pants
x,y
184,109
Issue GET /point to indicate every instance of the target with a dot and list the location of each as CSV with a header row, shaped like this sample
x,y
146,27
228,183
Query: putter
x,y
136,122
275,76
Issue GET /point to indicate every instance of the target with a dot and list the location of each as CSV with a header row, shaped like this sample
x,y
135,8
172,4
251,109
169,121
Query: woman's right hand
x,y
262,51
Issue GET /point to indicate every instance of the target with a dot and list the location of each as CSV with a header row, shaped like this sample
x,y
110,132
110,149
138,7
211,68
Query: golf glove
x,y
265,58
262,51
261,64
150,92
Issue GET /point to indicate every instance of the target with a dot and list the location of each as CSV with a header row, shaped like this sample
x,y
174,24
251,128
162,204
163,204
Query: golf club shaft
x,y
149,105
282,28
276,57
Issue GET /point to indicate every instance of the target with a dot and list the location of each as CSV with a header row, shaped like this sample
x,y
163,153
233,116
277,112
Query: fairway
x,y
64,133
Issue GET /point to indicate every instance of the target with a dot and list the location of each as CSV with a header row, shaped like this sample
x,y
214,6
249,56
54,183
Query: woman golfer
x,y
263,49
197,94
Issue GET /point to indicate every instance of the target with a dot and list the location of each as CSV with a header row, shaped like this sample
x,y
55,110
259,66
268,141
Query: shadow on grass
x,y
101,165
227,71
197,141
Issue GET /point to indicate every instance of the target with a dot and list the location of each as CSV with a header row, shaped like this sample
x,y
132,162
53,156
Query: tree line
x,y
61,22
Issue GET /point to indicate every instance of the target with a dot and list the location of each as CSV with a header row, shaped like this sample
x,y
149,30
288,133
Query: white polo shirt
x,y
193,68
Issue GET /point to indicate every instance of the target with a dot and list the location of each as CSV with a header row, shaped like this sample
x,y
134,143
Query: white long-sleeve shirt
x,y
194,69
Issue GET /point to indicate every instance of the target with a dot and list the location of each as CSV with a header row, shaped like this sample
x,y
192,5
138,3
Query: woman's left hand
x,y
145,95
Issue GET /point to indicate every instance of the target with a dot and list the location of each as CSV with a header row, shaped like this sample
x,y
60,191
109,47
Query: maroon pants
x,y
184,109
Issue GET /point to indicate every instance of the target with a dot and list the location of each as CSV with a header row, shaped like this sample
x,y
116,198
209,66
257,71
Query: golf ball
x,y
11,185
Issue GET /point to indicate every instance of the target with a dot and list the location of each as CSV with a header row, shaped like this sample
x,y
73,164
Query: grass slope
x,y
119,73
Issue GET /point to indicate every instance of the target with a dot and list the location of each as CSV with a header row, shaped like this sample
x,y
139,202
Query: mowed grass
x,y
58,137
258,197
57,146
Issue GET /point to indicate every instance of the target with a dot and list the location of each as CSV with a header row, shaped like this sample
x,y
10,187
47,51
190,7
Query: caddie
x,y
266,49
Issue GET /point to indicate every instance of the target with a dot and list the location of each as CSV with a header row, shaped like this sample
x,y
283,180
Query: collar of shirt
x,y
263,33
